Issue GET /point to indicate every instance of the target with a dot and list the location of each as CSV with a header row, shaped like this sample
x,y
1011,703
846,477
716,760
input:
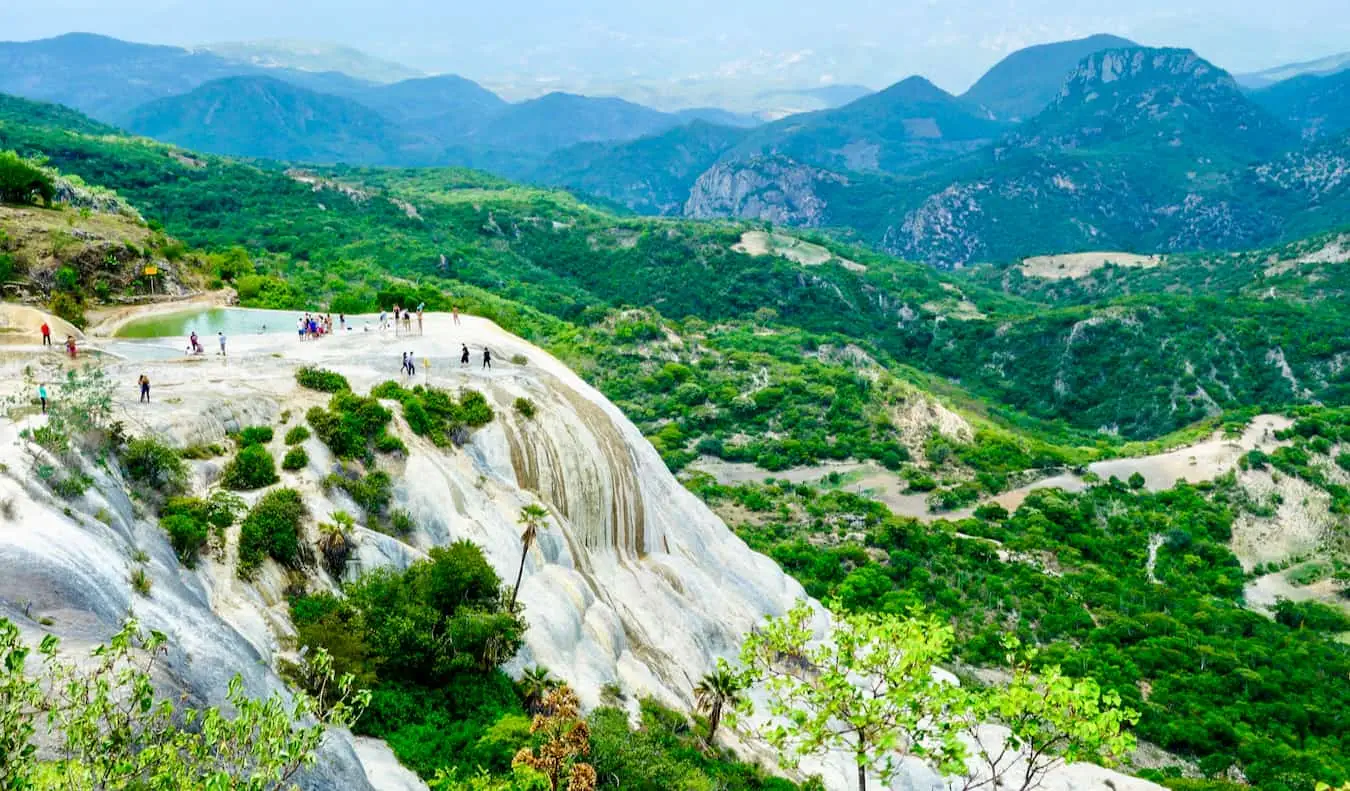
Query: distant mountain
x,y
1331,64
103,77
908,123
780,103
308,56
558,120
718,116
1024,83
650,175
1142,149
1316,106
447,105
268,118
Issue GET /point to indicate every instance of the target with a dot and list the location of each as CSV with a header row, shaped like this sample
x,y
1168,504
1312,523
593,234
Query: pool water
x,y
208,322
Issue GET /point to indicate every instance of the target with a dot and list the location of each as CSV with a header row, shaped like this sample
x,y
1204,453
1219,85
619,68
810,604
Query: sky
x,y
593,43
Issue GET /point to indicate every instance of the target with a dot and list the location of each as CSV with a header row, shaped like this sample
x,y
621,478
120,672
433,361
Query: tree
x,y
868,688
1050,719
714,693
21,181
532,516
564,737
110,731
535,683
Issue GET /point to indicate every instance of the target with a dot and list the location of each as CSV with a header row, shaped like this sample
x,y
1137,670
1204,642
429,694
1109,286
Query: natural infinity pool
x,y
208,322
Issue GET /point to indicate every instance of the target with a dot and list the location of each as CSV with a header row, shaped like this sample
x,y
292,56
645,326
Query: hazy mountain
x,y
650,175
272,119
1331,64
313,57
1142,149
718,116
1315,105
1025,82
910,122
445,106
101,76
561,119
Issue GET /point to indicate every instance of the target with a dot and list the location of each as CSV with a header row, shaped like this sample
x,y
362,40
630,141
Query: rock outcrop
x,y
775,189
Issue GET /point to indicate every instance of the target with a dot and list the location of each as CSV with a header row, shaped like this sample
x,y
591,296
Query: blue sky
x,y
845,41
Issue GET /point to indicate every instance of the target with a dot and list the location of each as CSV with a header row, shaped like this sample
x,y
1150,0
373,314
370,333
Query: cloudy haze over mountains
x,y
633,49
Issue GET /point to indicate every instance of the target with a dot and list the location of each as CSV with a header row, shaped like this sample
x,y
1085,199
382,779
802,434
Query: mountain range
x,y
1075,145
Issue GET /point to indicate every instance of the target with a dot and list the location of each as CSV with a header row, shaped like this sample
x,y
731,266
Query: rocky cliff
x,y
775,189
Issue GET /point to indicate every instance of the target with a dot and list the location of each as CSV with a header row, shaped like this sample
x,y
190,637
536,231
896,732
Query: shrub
x,y
388,443
254,435
70,486
525,407
373,491
401,522
271,529
140,581
295,459
252,468
348,424
154,465
519,359
22,181
202,452
322,379
187,536
219,510
69,308
296,435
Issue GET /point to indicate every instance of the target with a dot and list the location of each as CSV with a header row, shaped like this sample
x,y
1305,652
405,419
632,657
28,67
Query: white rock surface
x,y
633,582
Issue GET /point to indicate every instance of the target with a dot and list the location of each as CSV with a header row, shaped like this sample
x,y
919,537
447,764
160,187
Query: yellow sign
x,y
152,270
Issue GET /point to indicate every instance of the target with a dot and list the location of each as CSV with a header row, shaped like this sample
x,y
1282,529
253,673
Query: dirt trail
x,y
1195,463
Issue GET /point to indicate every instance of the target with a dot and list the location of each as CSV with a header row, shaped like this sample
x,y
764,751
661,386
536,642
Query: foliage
x,y
532,517
435,414
112,731
815,688
322,379
295,459
187,536
271,529
525,407
154,465
372,491
254,435
252,468
349,424
22,181
716,692
296,434
564,738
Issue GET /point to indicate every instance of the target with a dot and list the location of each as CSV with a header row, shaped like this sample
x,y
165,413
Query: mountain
x,y
1025,82
718,116
268,118
1331,64
908,123
447,103
309,56
558,120
1315,105
650,175
102,76
780,103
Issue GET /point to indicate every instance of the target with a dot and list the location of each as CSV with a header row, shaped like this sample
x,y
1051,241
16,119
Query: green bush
x,y
254,435
153,465
348,424
295,459
388,443
252,468
401,522
187,536
202,452
1311,615
271,529
220,510
373,491
525,407
434,413
69,308
22,181
296,435
322,379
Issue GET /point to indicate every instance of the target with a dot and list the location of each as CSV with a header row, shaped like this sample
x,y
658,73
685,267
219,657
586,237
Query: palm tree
x,y
532,516
714,692
535,683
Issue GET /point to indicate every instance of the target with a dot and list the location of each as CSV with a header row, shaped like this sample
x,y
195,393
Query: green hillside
x,y
1317,106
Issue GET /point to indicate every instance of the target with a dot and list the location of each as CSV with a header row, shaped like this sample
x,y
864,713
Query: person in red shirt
x,y
46,334
70,345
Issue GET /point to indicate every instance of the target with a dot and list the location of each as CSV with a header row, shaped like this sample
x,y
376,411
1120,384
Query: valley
x,y
1062,360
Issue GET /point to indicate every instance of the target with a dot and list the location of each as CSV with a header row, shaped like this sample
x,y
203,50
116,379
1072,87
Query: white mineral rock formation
x,y
633,582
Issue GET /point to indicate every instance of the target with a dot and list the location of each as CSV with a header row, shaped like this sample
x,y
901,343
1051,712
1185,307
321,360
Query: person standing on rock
x,y
222,343
454,311
412,365
46,334
70,346
464,355
403,369
419,317
144,382
487,357
42,397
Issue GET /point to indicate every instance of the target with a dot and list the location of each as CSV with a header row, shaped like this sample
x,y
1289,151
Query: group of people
x,y
71,348
405,316
195,343
315,326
